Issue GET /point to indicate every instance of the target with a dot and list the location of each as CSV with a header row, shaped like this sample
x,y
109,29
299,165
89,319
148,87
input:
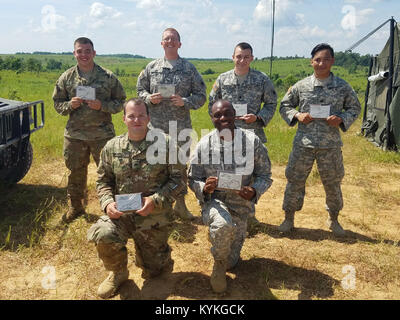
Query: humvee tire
x,y
14,172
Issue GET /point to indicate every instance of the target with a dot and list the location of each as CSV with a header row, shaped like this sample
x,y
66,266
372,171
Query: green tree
x,y
53,64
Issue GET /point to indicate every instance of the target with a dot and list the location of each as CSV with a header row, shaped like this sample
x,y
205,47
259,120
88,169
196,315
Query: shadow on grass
x,y
185,231
315,235
253,280
24,211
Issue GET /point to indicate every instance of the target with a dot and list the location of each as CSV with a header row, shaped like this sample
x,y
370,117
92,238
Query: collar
x,y
331,81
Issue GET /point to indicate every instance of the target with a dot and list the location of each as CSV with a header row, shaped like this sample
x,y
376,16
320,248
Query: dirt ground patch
x,y
41,259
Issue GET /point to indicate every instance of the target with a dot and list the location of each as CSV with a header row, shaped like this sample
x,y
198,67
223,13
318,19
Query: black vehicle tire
x,y
20,169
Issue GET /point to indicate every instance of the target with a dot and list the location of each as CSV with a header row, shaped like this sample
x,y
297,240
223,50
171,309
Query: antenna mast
x,y
272,38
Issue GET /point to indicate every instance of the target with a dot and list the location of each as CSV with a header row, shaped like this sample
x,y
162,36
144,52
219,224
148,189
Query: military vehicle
x,y
17,121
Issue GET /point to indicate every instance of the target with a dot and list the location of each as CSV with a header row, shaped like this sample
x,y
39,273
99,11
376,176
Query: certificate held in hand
x,y
166,90
86,93
130,202
229,181
319,111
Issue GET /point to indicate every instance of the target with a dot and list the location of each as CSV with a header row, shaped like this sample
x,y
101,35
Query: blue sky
x,y
208,28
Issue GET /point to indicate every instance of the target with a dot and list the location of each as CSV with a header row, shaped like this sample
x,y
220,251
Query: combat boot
x,y
181,211
218,276
334,225
111,284
75,210
288,224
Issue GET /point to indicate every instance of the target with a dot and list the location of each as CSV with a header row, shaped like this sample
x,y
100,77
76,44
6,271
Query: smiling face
x,y
242,59
136,119
223,115
322,63
170,43
84,55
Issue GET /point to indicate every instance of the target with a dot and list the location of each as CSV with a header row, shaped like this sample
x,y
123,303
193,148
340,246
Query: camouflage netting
x,y
374,125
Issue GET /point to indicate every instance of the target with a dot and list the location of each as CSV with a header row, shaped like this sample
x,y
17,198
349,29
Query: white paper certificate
x,y
318,111
230,181
240,108
129,202
166,90
86,93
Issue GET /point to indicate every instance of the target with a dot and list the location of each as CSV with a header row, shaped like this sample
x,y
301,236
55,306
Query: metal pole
x,y
272,38
371,62
389,97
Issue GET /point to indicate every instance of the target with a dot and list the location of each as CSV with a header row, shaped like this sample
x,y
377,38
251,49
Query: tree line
x,y
30,64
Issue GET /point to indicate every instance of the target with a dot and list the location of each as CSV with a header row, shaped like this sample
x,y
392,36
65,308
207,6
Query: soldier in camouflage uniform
x,y
125,168
89,126
318,139
247,86
225,212
190,94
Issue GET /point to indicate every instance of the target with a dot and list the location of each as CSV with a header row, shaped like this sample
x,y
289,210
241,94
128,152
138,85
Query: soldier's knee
x,y
102,232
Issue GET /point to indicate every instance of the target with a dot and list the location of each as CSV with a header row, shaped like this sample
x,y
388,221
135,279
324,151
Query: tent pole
x,y
389,142
371,62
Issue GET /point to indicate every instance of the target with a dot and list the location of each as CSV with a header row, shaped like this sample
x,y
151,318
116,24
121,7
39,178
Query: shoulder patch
x,y
215,86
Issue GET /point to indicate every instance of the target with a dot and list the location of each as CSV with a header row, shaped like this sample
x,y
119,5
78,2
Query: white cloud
x,y
263,10
101,11
354,18
149,4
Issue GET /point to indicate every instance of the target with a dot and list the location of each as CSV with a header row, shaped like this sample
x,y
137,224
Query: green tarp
x,y
374,124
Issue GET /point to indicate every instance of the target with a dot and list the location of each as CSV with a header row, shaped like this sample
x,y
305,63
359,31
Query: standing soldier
x,y
326,103
247,89
88,94
171,87
125,169
225,212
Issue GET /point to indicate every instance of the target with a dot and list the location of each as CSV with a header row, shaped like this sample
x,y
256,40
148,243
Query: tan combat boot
x,y
181,211
334,225
288,224
111,284
218,276
75,210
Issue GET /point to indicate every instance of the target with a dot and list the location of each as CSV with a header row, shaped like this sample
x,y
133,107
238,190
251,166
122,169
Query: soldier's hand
x,y
247,193
211,184
148,207
156,98
112,211
94,104
334,121
76,102
304,118
177,100
248,118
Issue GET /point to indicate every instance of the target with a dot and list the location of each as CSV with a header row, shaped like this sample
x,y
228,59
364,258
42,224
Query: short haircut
x,y
243,46
84,40
320,47
222,102
136,101
172,30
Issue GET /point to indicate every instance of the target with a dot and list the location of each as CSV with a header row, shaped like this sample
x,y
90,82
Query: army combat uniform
x,y
87,130
124,169
224,211
189,85
317,140
255,89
